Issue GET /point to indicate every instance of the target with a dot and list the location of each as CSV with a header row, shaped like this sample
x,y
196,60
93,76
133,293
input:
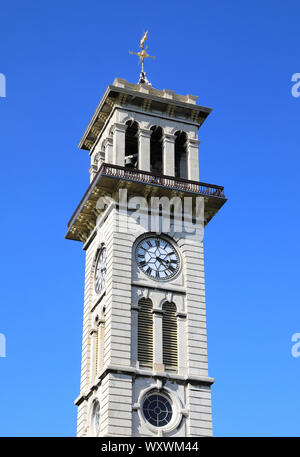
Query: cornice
x,y
124,94
132,371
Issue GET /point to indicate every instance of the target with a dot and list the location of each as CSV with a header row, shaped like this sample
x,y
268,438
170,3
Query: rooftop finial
x,y
143,55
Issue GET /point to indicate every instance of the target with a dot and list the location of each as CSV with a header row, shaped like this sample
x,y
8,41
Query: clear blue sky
x,y
58,57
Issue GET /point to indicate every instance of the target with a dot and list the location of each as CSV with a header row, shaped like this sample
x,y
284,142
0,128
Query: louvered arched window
x,y
145,333
101,336
95,349
169,337
98,345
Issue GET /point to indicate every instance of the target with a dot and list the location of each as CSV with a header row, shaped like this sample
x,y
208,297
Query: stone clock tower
x,y
144,354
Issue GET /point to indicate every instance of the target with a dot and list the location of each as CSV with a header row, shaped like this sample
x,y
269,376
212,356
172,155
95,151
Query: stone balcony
x,y
110,178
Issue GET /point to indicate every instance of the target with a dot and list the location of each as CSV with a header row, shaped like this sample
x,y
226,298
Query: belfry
x,y
144,365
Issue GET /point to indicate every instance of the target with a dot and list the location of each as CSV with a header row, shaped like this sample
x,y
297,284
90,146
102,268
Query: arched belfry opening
x,y
180,155
131,144
156,150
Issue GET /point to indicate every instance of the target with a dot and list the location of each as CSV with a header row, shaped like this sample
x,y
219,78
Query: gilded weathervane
x,y
143,55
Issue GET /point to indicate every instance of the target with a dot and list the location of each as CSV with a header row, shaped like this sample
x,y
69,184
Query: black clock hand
x,y
163,260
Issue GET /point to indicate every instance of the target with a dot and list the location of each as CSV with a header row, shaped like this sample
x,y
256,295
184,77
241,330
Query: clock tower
x,y
144,353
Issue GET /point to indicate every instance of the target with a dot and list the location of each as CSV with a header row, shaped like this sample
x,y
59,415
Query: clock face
x,y
100,271
157,258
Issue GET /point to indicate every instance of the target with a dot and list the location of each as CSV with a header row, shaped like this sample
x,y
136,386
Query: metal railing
x,y
147,177
150,178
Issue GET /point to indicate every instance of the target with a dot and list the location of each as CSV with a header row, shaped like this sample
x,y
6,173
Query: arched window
x,y
95,418
145,333
98,345
131,145
95,349
101,336
156,153
169,337
180,155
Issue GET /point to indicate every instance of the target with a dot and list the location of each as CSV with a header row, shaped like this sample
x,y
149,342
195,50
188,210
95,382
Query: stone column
x,y
169,154
157,340
95,165
192,151
181,343
108,145
93,171
119,144
144,149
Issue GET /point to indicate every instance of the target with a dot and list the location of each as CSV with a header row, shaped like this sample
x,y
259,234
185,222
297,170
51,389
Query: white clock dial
x,y
100,271
157,258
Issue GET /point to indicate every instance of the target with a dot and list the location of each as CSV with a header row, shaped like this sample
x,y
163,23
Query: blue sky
x,y
239,57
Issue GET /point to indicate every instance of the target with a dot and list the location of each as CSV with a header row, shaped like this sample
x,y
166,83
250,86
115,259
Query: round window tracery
x,y
157,409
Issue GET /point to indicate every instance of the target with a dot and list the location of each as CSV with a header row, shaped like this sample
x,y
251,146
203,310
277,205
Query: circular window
x,y
96,417
157,410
